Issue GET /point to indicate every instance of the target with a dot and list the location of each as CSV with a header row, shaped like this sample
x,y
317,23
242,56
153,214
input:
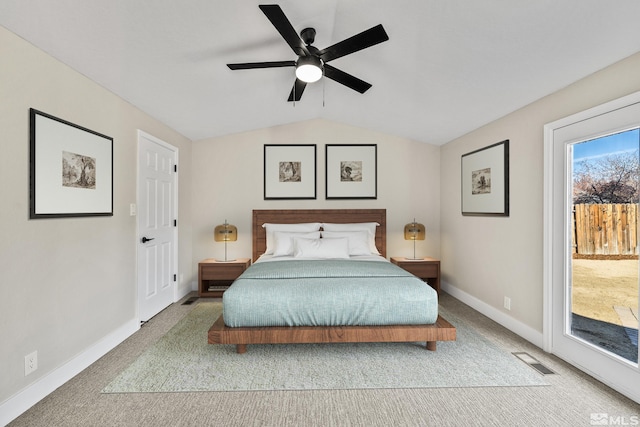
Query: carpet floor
x,y
572,398
182,361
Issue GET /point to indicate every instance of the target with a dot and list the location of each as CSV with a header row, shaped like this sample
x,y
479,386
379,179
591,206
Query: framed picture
x,y
71,169
485,181
289,172
351,171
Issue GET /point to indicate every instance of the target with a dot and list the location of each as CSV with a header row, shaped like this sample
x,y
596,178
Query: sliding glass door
x,y
603,279
591,242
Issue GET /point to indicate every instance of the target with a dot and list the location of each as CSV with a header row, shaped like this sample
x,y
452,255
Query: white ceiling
x,y
450,66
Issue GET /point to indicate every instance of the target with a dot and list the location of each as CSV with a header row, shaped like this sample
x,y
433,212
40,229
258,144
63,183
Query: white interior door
x,y
561,336
157,225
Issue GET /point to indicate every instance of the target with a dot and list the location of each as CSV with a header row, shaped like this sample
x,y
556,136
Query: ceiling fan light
x,y
309,69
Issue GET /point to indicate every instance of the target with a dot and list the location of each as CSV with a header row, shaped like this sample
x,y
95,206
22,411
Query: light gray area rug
x,y
183,361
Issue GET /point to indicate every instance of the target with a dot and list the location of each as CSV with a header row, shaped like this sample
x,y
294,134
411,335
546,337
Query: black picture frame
x,y
351,171
290,171
70,169
485,181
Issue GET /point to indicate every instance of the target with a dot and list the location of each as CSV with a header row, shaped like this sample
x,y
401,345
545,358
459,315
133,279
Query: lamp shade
x,y
225,233
414,231
309,68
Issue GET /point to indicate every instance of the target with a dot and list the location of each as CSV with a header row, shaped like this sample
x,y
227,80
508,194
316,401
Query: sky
x,y
612,144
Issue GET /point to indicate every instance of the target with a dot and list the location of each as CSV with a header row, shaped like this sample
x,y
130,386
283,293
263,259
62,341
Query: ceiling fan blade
x,y
346,79
279,20
272,64
297,90
365,39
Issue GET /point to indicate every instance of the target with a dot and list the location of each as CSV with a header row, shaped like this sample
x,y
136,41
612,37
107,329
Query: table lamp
x,y
414,231
225,233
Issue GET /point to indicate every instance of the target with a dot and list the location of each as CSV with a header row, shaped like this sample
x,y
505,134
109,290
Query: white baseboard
x,y
515,326
182,292
11,408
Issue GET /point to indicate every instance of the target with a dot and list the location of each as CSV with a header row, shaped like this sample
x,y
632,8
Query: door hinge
x,y
175,222
175,168
175,277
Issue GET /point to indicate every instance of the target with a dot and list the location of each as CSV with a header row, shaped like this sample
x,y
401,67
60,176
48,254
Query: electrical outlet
x,y
30,363
507,303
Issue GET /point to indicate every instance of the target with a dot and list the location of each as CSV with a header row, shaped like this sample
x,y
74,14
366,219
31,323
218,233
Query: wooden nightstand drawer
x,y
420,269
428,269
222,271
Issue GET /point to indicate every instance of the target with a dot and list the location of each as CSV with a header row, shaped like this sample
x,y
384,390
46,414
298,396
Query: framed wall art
x,y
351,171
485,181
289,171
71,169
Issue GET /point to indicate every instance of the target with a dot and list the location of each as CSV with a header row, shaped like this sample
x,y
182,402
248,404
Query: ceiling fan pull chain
x,y
323,86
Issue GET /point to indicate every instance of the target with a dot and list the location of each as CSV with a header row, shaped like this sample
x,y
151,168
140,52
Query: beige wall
x,y
67,283
489,258
228,184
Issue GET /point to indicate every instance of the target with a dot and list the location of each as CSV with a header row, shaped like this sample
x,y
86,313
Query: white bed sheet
x,y
270,258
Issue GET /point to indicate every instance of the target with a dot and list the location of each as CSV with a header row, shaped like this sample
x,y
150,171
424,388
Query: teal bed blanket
x,y
328,293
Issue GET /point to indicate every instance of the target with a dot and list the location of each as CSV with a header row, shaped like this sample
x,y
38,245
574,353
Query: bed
x,y
417,324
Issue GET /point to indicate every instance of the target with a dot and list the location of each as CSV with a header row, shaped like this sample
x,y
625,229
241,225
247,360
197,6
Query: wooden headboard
x,y
292,216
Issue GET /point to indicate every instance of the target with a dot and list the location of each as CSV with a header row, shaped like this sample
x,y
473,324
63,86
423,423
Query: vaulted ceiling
x,y
450,66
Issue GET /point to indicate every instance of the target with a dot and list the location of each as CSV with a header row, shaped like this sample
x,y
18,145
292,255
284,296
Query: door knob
x,y
145,240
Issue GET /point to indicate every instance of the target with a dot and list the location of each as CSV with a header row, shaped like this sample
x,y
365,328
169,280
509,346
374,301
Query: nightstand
x,y
214,277
428,269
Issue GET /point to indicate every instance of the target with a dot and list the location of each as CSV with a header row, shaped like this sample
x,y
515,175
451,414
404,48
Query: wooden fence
x,y
608,230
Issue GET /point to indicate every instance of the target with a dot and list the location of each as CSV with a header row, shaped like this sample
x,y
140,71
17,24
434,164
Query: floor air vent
x,y
190,301
533,362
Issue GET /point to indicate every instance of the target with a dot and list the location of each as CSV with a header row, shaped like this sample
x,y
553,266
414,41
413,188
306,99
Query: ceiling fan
x,y
311,64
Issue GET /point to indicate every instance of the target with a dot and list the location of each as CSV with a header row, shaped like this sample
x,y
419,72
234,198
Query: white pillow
x,y
300,227
358,240
283,241
358,226
321,248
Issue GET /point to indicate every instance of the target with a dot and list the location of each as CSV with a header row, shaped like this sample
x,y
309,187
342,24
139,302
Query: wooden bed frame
x,y
219,333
